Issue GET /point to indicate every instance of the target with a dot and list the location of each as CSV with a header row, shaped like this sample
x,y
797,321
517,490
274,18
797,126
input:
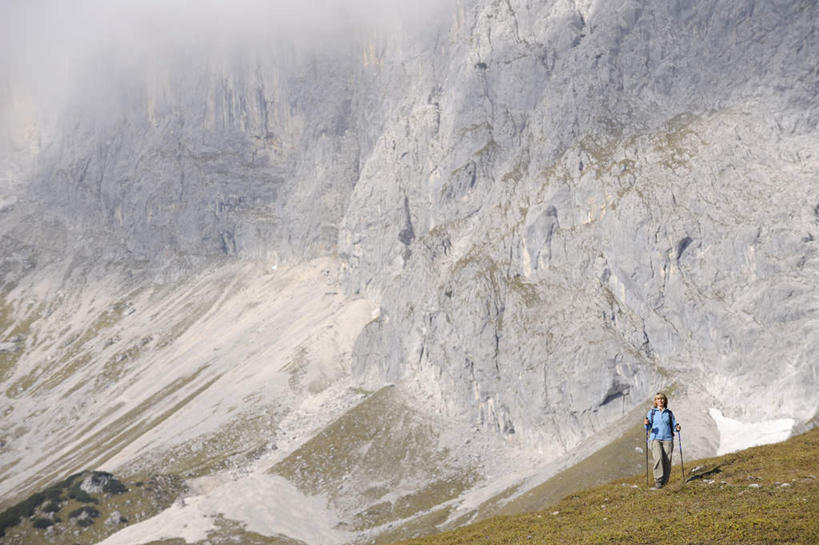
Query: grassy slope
x,y
615,460
379,459
767,494
136,501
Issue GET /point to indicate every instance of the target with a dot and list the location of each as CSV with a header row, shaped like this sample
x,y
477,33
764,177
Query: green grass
x,y
758,496
379,446
763,495
55,515
617,459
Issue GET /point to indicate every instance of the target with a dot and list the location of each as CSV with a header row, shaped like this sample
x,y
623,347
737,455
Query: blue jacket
x,y
662,424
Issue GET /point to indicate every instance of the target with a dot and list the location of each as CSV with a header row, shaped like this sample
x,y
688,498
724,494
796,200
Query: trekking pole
x,y
648,479
682,462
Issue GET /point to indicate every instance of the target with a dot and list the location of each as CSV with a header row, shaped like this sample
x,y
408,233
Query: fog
x,y
50,49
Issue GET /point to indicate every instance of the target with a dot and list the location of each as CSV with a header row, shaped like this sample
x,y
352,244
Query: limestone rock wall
x,y
561,206
249,155
594,200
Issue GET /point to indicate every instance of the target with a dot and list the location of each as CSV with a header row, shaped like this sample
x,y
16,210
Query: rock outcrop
x,y
558,207
603,198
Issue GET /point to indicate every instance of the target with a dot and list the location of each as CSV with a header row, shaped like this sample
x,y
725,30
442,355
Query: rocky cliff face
x,y
592,201
231,157
560,207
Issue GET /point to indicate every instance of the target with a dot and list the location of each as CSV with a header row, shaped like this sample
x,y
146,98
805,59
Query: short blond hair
x,y
660,395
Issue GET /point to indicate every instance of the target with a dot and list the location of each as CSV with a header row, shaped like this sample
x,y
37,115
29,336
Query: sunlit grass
x,y
767,494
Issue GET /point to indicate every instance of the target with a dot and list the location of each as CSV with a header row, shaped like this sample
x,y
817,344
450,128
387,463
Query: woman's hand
x,y
678,427
646,422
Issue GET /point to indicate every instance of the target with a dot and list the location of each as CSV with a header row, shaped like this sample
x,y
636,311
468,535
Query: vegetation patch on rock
x,y
81,499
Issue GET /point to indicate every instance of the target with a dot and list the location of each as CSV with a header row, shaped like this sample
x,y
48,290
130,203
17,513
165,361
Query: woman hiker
x,y
660,420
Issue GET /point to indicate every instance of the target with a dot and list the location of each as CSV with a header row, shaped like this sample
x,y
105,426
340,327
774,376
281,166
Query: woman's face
x,y
660,402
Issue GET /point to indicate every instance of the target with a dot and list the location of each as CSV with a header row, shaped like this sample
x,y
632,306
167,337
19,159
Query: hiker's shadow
x,y
704,474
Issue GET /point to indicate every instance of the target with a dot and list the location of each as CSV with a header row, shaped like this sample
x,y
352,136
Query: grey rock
x,y
589,229
115,518
10,347
561,207
95,482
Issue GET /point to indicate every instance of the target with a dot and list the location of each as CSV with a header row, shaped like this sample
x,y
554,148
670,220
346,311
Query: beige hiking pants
x,y
662,451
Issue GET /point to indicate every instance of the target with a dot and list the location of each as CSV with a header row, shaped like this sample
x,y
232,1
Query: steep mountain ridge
x,y
170,377
591,198
528,217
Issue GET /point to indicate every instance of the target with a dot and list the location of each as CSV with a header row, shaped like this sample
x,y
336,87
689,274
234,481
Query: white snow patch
x,y
266,504
735,435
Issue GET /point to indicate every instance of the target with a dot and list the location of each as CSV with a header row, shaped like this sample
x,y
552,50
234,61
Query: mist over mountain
x,y
469,239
